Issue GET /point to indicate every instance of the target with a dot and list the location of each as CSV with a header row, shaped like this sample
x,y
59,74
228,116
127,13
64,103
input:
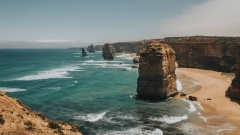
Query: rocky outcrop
x,y
234,89
91,48
84,53
205,52
17,119
98,47
109,52
136,59
157,78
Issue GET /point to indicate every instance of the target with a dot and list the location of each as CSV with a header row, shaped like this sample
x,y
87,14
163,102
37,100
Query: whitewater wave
x,y
90,117
134,131
192,108
54,73
179,85
11,89
126,56
170,119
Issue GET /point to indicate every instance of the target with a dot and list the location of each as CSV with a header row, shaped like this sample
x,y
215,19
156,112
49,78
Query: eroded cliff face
x,y
157,78
91,48
17,119
84,53
234,89
109,52
214,53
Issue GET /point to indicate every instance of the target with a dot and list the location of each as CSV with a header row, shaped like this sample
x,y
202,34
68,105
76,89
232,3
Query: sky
x,y
69,23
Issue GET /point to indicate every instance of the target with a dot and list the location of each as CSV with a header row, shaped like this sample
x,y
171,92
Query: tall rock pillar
x,y
234,89
109,52
157,78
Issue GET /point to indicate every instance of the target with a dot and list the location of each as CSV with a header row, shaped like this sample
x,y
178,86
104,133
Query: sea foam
x,y
54,73
133,131
179,85
170,119
90,117
192,108
11,89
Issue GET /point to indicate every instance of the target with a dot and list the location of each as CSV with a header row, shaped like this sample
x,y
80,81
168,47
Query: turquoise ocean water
x,y
99,96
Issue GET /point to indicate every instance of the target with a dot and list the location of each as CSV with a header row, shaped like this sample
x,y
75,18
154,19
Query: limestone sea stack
x,y
157,78
91,48
84,53
109,52
234,89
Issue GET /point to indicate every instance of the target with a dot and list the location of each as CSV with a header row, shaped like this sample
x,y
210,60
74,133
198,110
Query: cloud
x,y
53,41
212,18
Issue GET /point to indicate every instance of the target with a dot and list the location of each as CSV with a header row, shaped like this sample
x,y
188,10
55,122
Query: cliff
x,y
84,53
17,119
91,48
157,78
205,52
234,89
109,52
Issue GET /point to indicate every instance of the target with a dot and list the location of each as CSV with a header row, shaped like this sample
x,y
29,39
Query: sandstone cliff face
x,y
234,89
214,53
109,52
91,48
157,78
83,52
17,119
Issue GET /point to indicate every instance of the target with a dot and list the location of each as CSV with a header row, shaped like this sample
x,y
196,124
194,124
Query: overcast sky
x,y
66,23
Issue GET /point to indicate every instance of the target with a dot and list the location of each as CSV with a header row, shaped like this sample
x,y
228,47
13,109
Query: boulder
x,y
91,48
109,52
192,98
136,59
157,78
84,53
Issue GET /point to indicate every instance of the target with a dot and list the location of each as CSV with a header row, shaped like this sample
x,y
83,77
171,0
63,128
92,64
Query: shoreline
x,y
214,84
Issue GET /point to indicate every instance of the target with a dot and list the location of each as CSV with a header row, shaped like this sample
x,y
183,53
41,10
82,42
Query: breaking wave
x,y
170,119
11,89
91,117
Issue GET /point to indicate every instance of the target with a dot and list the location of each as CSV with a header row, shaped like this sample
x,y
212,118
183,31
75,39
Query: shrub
x,y
53,125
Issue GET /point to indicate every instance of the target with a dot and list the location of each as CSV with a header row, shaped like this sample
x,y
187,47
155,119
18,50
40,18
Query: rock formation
x,y
109,52
91,48
84,53
17,119
234,89
136,59
157,78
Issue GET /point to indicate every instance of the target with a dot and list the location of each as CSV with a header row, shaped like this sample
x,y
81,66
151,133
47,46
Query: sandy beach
x,y
214,84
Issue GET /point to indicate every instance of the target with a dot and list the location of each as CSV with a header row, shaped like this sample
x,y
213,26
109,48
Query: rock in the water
x,y
134,67
192,98
109,52
91,48
157,78
234,89
136,59
83,52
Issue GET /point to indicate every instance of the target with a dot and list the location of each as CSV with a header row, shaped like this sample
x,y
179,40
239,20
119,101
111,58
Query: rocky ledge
x,y
17,119
157,78
109,52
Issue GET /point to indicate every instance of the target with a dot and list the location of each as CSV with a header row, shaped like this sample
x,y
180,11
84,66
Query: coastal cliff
x,y
109,52
203,52
17,119
234,89
91,48
157,78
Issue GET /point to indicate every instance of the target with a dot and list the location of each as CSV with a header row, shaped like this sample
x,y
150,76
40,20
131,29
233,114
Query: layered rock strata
x,y
109,52
84,53
17,119
91,48
234,89
157,78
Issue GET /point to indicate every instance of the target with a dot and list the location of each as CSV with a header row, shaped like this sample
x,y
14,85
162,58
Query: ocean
x,y
98,95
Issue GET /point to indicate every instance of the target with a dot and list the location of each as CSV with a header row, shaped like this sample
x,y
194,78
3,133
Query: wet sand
x,y
214,84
